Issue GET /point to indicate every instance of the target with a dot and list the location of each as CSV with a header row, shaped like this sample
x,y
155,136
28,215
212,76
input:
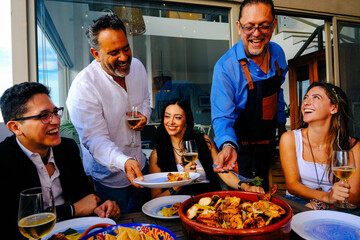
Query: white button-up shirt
x,y
97,106
52,182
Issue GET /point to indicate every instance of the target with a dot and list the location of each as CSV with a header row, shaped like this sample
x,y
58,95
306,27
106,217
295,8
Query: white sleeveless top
x,y
307,169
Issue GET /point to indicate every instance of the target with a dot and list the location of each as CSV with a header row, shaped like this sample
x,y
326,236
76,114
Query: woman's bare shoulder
x,y
288,137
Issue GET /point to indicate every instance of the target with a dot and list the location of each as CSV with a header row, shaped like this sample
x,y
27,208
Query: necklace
x,y
319,188
178,149
263,58
175,150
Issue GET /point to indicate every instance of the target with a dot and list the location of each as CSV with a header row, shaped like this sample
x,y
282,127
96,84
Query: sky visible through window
x,y
48,69
5,48
48,66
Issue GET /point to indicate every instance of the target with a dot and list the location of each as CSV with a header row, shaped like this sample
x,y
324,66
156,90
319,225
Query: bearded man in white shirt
x,y
98,103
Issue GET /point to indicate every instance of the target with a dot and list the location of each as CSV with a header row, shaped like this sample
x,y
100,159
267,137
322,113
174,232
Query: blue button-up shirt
x,y
229,89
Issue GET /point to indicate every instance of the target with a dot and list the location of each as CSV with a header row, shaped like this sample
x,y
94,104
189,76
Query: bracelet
x,y
319,205
72,209
228,144
172,191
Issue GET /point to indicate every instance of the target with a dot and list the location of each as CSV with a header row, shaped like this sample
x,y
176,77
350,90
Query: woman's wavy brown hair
x,y
339,138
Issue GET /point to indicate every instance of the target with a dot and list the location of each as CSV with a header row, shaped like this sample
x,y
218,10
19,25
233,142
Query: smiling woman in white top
x,y
306,153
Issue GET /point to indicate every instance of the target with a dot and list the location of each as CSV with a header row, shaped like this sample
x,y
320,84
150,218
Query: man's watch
x,y
172,191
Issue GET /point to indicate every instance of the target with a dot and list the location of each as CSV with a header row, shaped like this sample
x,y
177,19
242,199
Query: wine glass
x,y
132,121
36,216
343,167
190,151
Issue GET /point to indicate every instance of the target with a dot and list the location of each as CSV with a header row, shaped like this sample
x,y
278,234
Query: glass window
x,y
178,44
5,48
47,66
349,55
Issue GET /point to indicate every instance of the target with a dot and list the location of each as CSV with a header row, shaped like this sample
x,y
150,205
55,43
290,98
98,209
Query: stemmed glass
x,y
190,151
343,167
132,121
36,216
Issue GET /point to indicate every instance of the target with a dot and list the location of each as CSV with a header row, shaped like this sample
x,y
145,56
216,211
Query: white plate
x,y
78,224
159,180
325,224
152,207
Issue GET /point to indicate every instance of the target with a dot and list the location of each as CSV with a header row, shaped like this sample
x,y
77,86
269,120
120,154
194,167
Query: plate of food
x,y
131,231
326,224
164,207
73,228
167,179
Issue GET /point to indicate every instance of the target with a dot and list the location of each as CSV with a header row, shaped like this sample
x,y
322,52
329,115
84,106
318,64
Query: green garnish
x,y
70,231
257,181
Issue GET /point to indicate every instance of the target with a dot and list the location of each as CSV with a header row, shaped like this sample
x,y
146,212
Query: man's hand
x,y
86,205
141,125
108,209
250,188
226,159
132,169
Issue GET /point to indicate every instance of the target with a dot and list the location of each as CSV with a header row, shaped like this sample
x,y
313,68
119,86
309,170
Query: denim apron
x,y
255,127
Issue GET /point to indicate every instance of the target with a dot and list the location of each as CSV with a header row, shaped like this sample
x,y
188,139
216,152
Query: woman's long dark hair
x,y
164,148
185,106
162,141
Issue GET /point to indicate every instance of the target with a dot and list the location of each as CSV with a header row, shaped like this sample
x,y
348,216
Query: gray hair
x,y
107,21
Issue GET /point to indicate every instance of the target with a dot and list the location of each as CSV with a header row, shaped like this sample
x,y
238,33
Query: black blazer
x,y
19,173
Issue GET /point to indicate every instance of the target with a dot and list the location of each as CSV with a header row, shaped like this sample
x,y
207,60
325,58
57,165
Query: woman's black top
x,y
166,162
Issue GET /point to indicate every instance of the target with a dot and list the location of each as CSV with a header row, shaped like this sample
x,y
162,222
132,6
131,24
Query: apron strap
x,y
247,74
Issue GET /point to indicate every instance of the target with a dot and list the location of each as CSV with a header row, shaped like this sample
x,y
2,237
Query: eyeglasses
x,y
45,117
262,28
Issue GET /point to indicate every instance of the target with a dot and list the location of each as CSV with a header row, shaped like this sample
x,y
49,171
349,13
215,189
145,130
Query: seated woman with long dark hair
x,y
177,125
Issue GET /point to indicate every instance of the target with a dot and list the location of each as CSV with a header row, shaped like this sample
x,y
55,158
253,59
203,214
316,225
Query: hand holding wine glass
x,y
343,167
133,120
190,151
36,216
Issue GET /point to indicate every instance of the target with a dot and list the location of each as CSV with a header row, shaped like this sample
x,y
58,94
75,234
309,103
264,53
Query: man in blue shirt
x,y
247,101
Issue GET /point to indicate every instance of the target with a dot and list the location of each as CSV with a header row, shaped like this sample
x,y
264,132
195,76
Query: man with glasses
x,y
247,102
35,155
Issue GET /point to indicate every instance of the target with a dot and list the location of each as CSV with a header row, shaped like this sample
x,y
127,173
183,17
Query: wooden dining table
x,y
175,225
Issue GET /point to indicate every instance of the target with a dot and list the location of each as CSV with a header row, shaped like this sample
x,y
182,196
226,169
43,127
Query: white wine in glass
x,y
36,216
132,121
343,167
190,151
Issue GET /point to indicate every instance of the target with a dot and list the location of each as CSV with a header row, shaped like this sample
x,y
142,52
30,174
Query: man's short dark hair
x,y
106,21
14,100
246,2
